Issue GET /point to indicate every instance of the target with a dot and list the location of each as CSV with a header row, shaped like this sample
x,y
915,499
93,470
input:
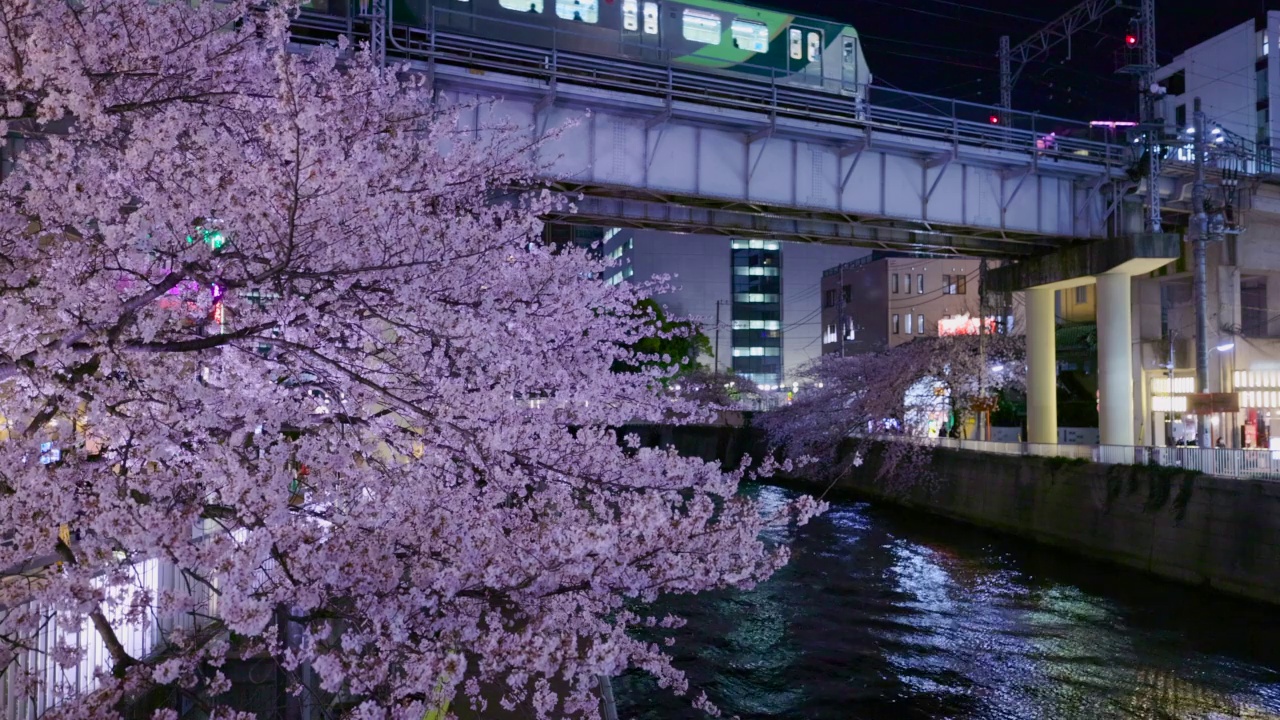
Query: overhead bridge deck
x,y
659,146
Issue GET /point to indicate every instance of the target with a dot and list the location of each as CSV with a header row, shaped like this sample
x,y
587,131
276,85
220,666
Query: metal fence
x,y
1211,461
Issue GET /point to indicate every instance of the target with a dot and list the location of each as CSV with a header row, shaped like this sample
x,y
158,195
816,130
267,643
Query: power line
x,y
899,6
990,11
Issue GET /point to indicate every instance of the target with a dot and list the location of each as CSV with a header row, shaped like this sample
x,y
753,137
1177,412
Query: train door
x,y
804,54
852,65
641,35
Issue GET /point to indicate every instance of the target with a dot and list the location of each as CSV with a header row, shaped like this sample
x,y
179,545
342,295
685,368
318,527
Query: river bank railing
x,y
1221,462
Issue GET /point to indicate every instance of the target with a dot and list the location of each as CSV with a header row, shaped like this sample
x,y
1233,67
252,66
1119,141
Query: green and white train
x,y
710,34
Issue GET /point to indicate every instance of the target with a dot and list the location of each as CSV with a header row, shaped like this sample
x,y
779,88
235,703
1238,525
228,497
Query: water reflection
x,y
884,615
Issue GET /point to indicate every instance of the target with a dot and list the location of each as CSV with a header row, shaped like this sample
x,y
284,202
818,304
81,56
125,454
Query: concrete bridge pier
x,y
1042,367
1112,264
1115,359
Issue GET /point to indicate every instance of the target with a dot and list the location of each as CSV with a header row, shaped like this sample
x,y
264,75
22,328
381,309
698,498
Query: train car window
x,y
701,27
531,6
651,18
587,11
631,15
748,35
815,45
796,41
849,53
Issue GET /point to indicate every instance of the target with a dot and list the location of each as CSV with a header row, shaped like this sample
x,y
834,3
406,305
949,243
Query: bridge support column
x,y
1042,367
1115,359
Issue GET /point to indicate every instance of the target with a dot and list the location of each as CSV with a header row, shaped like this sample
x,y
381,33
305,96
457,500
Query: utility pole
x,y
1013,59
1200,222
715,351
376,12
982,348
1007,79
1147,91
1173,334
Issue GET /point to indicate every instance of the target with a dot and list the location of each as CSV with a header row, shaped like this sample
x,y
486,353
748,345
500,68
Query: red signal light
x,y
994,119
1130,39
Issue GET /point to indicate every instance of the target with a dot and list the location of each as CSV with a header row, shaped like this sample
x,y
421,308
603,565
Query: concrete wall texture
x,y
1185,526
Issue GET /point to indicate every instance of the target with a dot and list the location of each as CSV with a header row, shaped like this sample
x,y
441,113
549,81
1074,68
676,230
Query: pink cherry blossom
x,y
851,401
380,450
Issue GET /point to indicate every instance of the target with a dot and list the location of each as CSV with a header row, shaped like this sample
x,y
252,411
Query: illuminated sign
x,y
963,325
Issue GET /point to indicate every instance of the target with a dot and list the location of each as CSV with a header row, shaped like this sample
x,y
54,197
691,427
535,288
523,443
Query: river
x,y
885,614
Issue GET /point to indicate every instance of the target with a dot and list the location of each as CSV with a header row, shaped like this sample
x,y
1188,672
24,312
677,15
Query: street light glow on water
x,y
882,614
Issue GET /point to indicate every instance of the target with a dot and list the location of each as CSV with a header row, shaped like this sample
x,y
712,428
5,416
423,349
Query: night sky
x,y
948,47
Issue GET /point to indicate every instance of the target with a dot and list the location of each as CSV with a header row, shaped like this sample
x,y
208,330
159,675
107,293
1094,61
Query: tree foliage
x,y
673,345
850,401
266,318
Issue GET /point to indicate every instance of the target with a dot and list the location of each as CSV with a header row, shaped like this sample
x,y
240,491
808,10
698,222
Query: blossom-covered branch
x,y
853,400
273,320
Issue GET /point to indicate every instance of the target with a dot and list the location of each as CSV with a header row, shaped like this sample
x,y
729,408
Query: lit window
x,y
651,18
631,15
757,325
908,323
702,27
829,335
849,332
920,324
896,322
748,35
947,287
756,351
920,284
531,6
815,45
796,43
754,244
587,11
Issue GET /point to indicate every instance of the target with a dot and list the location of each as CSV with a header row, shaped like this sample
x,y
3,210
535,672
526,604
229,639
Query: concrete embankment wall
x,y
1202,530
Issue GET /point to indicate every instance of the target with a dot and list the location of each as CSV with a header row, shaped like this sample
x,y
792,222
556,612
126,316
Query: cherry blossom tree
x,y
851,401
270,326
